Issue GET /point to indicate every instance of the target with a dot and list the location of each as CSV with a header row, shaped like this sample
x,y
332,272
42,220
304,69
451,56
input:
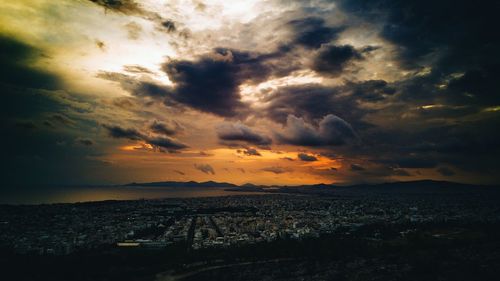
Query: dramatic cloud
x,y
119,132
331,60
205,168
210,84
242,133
164,128
207,85
466,29
137,87
307,157
312,32
331,131
161,143
166,143
314,101
403,88
17,59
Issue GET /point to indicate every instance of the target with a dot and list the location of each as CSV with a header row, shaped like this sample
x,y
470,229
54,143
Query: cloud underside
x,y
430,101
161,143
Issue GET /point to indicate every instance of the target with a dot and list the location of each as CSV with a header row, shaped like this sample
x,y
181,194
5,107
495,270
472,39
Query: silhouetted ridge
x,y
184,184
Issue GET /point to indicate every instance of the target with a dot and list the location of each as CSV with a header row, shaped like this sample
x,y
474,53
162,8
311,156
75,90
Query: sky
x,y
266,92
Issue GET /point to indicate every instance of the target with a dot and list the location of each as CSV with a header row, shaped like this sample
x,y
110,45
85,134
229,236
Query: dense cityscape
x,y
61,229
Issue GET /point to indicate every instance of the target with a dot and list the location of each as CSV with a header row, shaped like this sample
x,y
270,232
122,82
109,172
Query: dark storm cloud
x,y
330,131
241,133
210,84
470,146
370,90
161,143
17,59
207,85
145,88
309,101
476,86
164,128
30,93
425,27
307,157
311,32
314,101
205,168
137,87
165,143
331,60
123,133
43,154
452,37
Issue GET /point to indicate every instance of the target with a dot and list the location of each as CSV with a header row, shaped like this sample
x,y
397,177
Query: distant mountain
x,y
183,184
404,186
397,184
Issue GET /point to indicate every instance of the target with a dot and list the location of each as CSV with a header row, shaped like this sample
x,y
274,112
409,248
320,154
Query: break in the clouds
x,y
352,91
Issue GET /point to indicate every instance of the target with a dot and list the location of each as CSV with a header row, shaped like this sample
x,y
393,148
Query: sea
x,y
44,195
